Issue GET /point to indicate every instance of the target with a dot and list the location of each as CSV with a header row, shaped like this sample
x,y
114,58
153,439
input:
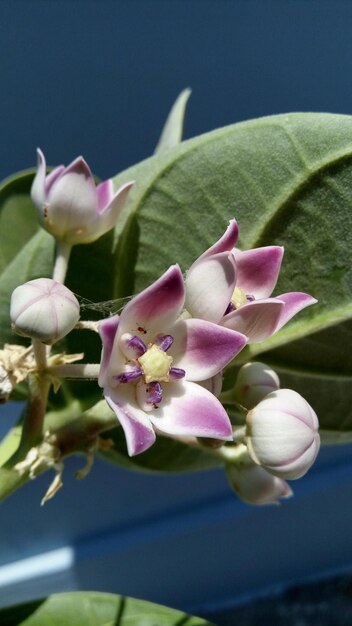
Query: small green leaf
x,y
95,609
172,132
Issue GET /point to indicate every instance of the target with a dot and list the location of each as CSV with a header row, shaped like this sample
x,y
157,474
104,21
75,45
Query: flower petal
x,y
258,319
135,423
294,301
52,177
156,308
107,331
108,214
202,348
115,202
189,409
105,193
209,286
225,243
258,270
72,199
38,185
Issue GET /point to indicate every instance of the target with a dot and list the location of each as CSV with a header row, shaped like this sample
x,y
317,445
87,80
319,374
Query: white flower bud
x,y
282,434
254,381
255,485
43,309
71,207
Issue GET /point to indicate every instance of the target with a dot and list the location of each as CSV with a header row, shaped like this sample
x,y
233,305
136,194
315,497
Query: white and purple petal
x,y
108,215
105,193
107,331
258,320
38,185
156,308
202,348
72,199
258,270
210,282
188,409
226,242
295,302
138,430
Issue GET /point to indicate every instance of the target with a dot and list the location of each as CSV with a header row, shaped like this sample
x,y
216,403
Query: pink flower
x,y
71,207
233,288
153,360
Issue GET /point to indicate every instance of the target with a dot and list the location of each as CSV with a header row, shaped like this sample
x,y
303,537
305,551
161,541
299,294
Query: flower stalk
x,y
63,252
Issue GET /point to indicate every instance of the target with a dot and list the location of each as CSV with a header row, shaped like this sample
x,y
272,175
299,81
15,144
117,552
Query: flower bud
x,y
255,485
43,309
71,207
254,381
282,434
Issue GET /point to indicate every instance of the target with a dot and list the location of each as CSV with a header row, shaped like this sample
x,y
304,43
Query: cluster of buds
x,y
280,435
163,356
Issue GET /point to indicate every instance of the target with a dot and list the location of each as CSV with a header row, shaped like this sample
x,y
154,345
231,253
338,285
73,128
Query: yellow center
x,y
155,364
239,298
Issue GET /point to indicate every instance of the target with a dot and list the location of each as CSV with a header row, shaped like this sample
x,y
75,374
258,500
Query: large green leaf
x,y
95,609
288,180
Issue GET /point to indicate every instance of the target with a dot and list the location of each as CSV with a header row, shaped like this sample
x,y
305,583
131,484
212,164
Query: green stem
x,y
63,251
88,371
32,432
40,354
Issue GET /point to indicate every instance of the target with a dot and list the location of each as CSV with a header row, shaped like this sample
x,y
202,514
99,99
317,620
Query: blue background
x,y
98,78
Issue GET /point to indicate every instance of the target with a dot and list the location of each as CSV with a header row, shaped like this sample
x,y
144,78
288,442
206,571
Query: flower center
x,y
155,364
239,298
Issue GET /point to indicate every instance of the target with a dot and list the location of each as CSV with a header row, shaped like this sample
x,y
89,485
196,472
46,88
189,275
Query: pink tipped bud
x,y
254,382
43,309
282,434
255,485
71,207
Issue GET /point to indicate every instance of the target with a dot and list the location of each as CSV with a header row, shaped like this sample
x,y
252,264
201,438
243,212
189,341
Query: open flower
x,y
71,207
234,288
152,361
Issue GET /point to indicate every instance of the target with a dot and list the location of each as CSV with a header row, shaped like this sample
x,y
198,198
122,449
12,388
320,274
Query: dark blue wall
x,y
98,77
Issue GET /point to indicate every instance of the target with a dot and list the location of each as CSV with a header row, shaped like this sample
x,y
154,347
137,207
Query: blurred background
x,y
98,78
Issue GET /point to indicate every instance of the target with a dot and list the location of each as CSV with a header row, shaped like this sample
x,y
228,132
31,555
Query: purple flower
x,y
233,288
71,207
153,360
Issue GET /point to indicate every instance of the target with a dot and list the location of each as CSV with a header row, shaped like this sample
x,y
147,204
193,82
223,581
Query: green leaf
x,y
288,181
172,132
95,609
18,222
165,455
